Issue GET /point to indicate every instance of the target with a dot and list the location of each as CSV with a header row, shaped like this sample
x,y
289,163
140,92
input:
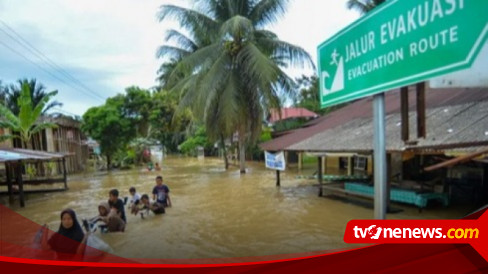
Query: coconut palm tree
x,y
37,93
25,122
363,6
238,76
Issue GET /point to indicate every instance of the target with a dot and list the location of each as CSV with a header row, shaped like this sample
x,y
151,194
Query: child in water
x,y
112,220
155,207
134,201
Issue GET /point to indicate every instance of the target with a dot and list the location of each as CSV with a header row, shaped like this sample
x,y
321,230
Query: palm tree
x,y
37,93
25,122
363,6
238,76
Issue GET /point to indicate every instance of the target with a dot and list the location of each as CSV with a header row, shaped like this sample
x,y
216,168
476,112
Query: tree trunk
x,y
226,160
109,161
242,153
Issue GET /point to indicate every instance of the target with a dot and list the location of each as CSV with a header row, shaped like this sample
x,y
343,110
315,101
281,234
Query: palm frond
x,y
214,78
25,105
188,18
171,52
36,112
182,40
51,105
196,60
257,65
287,53
10,120
268,11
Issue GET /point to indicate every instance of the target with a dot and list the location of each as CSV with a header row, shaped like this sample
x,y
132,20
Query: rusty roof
x,y
289,113
357,117
16,154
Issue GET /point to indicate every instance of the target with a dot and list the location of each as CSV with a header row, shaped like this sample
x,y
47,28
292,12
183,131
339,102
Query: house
x,y
456,124
66,138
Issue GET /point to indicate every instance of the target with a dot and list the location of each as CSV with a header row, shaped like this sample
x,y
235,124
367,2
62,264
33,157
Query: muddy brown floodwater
x,y
215,213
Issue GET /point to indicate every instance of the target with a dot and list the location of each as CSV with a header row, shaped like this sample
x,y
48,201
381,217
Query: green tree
x,y
238,75
167,128
363,6
109,127
37,93
308,93
199,139
25,122
137,106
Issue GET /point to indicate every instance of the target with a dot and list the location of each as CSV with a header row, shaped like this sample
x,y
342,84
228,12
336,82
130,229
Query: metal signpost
x,y
277,162
397,44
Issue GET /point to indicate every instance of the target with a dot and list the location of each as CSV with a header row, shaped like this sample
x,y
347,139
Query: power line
x,y
49,62
64,111
34,63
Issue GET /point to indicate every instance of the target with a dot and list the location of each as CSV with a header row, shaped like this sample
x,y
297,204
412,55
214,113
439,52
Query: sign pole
x,y
278,184
379,157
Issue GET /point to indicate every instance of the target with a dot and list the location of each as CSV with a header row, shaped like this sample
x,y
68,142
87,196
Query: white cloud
x,y
111,44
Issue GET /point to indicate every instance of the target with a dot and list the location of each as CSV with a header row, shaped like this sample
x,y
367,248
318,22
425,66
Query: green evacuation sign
x,y
400,43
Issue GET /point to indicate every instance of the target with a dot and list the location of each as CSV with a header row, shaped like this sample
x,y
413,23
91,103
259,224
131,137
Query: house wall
x,y
50,140
62,139
332,162
333,166
68,140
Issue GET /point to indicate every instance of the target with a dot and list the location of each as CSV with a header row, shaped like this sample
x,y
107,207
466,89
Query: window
x,y
360,162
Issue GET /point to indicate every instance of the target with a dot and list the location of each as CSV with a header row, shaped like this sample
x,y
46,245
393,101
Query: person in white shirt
x,y
134,201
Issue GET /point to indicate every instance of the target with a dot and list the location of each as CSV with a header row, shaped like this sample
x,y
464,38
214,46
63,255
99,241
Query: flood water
x,y
216,213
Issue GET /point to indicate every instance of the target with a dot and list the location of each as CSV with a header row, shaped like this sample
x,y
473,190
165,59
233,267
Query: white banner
x,y
275,161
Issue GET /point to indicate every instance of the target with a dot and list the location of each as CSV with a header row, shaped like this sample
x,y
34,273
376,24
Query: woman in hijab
x,y
69,235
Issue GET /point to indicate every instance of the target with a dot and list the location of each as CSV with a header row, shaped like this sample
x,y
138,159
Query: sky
x,y
97,48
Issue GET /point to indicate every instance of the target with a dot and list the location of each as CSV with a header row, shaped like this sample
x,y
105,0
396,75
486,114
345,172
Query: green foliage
x,y
168,127
189,146
107,125
37,91
235,74
136,106
289,124
309,160
131,122
307,97
265,135
25,122
30,170
255,150
51,168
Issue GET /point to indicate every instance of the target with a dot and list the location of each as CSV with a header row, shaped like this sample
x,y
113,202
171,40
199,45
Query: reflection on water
x,y
215,213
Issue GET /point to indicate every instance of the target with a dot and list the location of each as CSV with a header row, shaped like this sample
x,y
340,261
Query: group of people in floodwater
x,y
111,216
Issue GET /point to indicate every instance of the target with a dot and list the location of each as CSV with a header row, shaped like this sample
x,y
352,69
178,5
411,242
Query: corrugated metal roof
x,y
15,154
447,126
353,129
